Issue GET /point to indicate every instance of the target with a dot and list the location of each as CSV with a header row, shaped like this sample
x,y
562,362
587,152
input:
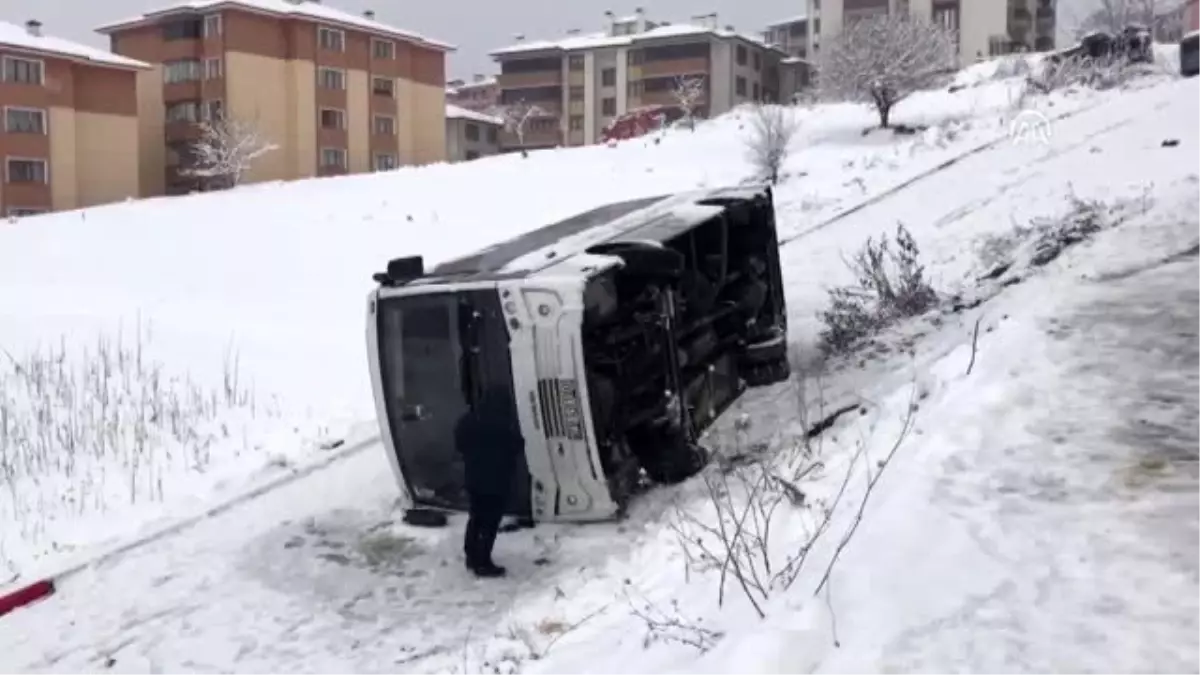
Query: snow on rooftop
x,y
458,112
19,37
789,20
604,39
301,8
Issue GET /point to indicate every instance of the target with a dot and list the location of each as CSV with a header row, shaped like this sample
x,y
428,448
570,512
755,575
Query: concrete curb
x,y
15,595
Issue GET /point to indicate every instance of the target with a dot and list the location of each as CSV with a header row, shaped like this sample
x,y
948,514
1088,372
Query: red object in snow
x,y
25,596
640,121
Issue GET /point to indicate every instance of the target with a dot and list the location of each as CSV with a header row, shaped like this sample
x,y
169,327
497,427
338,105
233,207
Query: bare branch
x,y
226,150
882,60
689,92
516,118
771,130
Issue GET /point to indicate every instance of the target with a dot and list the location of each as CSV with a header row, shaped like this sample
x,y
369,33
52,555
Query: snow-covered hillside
x,y
251,305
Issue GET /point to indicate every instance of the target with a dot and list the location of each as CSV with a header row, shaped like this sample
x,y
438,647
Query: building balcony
x,y
539,78
189,90
674,67
181,131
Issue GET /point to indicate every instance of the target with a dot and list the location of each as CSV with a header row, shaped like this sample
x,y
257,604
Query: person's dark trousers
x,y
483,523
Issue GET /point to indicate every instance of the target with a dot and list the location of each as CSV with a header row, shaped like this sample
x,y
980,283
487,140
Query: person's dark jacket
x,y
491,444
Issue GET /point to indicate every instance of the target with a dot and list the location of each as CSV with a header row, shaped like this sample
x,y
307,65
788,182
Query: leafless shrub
x,y
226,150
516,119
771,130
891,285
670,626
882,60
735,539
689,92
1044,239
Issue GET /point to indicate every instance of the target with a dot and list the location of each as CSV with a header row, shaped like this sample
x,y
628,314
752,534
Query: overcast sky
x,y
475,27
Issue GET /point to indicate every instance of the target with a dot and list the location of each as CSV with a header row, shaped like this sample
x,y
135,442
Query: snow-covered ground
x,y
1040,514
247,307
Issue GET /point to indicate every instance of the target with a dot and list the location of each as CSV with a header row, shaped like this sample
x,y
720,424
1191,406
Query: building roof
x,y
306,9
788,21
456,86
603,39
460,113
19,38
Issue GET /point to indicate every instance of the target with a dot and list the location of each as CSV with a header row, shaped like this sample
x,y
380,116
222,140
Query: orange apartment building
x,y
336,92
70,134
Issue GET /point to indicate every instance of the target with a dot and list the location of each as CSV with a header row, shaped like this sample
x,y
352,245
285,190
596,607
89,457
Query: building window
x,y
183,29
757,92
212,26
385,162
183,111
739,86
741,55
383,86
471,154
575,62
471,131
331,39
184,70
331,78
212,111
383,49
493,136
27,171
332,118
608,107
576,93
214,69
635,88
634,57
384,125
24,121
576,123
608,77
24,71
757,61
24,212
333,158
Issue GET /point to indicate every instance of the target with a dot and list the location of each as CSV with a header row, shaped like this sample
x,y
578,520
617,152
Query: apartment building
x,y
336,92
582,82
796,35
70,134
481,94
982,28
471,134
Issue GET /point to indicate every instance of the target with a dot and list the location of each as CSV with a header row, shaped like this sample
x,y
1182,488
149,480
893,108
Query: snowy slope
x,y
250,303
319,576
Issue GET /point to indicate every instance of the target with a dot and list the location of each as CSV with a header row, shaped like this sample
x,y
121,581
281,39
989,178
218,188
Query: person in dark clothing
x,y
491,443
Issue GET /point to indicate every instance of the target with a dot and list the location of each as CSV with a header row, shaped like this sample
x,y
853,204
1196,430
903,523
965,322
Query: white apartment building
x,y
584,81
983,28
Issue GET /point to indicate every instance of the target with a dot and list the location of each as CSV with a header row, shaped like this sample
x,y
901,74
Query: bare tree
x,y
771,130
226,150
881,60
516,117
1165,19
689,92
